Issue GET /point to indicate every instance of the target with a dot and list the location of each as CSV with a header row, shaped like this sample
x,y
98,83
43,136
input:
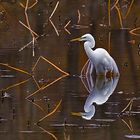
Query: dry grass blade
x,y
119,14
28,25
36,105
31,42
133,30
129,126
42,88
54,27
53,82
48,132
130,108
14,85
128,105
36,82
27,19
55,66
29,7
26,16
79,16
51,113
41,57
116,2
109,42
68,31
36,63
16,69
33,93
54,9
28,28
109,20
67,24
129,9
65,27
51,17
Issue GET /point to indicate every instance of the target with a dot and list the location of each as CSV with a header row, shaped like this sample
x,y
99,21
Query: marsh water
x,y
55,99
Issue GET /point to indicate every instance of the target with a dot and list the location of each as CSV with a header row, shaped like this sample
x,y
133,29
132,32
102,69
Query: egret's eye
x,y
84,37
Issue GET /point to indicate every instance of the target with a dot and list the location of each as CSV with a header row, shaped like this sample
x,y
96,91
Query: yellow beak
x,y
76,113
76,39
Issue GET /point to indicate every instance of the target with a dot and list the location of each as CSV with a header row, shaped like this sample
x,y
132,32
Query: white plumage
x,y
99,58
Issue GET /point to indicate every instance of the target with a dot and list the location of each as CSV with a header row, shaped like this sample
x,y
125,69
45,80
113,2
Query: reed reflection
x,y
100,89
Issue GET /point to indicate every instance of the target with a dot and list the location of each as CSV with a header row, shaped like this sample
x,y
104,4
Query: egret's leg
x,y
89,76
87,80
85,83
84,69
90,82
90,67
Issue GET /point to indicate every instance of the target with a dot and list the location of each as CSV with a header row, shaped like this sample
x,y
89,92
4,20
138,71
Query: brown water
x,y
19,116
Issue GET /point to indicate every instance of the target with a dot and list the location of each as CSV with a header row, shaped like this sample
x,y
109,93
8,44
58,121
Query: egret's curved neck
x,y
88,45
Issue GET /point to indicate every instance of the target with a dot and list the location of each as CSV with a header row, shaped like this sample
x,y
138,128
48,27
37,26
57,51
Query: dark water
x,y
19,116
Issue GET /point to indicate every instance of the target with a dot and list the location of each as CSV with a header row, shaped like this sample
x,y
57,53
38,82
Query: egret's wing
x,y
107,64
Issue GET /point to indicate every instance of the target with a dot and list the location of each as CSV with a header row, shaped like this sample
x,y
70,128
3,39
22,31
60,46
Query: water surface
x,y
18,116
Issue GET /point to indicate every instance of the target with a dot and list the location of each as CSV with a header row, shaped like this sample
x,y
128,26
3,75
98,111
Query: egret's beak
x,y
76,114
76,39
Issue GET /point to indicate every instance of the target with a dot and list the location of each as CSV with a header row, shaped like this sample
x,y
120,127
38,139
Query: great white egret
x,y
99,58
99,94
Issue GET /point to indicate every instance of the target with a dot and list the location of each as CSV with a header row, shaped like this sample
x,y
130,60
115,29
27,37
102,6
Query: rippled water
x,y
22,117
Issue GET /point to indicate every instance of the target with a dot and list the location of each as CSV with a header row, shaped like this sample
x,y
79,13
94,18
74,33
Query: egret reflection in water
x,y
100,90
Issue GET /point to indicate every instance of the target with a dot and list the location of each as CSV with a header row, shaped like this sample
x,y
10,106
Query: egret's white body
x,y
102,62
99,58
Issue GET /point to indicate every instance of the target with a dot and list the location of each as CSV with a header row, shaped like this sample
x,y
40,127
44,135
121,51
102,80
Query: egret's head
x,y
86,38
